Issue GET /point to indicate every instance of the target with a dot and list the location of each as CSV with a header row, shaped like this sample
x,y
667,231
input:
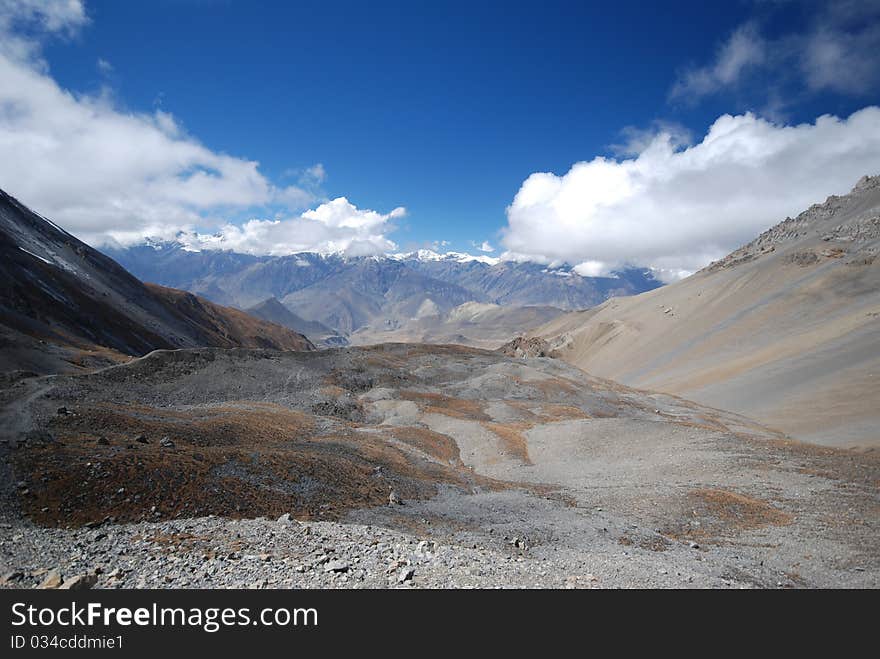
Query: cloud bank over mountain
x,y
675,208
112,175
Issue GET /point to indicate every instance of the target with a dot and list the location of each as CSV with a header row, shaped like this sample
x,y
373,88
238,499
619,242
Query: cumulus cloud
x,y
335,226
837,49
676,209
110,175
486,247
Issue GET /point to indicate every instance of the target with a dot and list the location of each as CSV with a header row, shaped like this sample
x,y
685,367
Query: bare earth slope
x,y
65,305
471,324
512,472
785,330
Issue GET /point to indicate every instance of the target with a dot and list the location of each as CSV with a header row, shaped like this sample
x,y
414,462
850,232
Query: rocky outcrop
x,y
527,347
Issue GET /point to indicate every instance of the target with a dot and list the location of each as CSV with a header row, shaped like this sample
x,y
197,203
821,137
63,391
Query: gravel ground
x,y
260,553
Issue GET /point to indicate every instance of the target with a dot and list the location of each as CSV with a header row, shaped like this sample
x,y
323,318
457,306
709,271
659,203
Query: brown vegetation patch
x,y
553,387
512,438
709,513
738,510
458,408
439,446
230,461
557,412
547,412
231,424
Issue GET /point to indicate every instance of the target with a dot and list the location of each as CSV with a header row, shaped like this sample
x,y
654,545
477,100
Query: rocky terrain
x,y
65,306
411,466
785,330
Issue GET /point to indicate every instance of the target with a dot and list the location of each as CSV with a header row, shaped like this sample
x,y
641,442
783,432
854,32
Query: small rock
x,y
285,519
336,566
693,545
142,439
80,582
166,442
103,441
63,410
52,580
393,499
406,574
9,577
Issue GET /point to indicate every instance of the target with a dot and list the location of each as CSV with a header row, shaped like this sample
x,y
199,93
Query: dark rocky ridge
x,y
64,305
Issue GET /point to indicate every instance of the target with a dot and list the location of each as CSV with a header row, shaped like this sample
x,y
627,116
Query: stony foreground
x,y
412,466
260,553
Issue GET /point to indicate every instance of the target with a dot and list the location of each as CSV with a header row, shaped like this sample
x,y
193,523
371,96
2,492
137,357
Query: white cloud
x,y
675,209
837,49
744,49
315,174
592,269
335,226
104,66
111,175
486,247
23,23
638,139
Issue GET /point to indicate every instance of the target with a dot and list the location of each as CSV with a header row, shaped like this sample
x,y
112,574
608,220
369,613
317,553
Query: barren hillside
x,y
785,330
64,306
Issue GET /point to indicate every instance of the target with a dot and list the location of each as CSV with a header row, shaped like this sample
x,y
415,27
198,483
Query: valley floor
x,y
249,468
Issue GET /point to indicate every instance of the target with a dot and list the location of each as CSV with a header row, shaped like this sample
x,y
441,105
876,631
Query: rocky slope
x,y
408,465
64,305
273,311
785,330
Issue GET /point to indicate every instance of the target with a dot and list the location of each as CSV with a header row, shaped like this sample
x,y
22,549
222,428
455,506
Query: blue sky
x,y
447,109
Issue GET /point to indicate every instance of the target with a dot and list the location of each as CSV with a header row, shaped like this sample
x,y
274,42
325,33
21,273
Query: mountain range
x,y
362,298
